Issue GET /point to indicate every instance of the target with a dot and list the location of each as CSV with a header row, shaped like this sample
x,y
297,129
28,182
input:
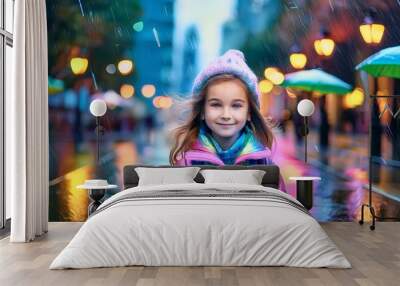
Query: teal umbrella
x,y
386,62
316,80
55,85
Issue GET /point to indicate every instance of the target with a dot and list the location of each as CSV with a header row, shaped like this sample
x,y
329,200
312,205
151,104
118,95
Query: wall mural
x,y
207,82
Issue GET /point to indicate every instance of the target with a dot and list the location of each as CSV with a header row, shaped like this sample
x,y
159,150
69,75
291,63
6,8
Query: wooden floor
x,y
374,255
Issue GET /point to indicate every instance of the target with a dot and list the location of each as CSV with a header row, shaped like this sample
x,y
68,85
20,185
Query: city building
x,y
251,18
190,59
153,46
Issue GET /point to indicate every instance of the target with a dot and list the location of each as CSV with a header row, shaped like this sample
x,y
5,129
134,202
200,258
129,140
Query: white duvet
x,y
183,231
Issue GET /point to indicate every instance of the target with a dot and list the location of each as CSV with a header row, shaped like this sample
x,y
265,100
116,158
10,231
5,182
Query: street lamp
x,y
148,90
79,65
125,66
265,86
371,32
127,90
354,99
98,108
298,60
274,75
325,45
305,108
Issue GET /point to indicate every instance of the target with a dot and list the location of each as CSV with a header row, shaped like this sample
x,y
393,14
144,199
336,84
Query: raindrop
x,y
119,30
331,4
316,148
156,37
94,80
138,26
80,5
111,69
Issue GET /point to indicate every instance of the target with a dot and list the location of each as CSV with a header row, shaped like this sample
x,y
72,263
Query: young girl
x,y
226,126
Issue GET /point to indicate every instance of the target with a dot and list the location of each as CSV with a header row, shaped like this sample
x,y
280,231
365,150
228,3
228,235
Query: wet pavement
x,y
337,197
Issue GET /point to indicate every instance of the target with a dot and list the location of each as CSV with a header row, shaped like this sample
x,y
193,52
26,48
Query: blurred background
x,y
141,57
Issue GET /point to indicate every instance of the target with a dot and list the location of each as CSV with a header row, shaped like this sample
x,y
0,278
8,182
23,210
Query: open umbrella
x,y
386,62
316,80
55,85
383,63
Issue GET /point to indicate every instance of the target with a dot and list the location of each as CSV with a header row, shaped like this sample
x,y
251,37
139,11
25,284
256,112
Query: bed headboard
x,y
270,179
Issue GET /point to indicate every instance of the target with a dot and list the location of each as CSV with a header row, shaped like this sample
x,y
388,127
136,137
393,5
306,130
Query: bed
x,y
201,224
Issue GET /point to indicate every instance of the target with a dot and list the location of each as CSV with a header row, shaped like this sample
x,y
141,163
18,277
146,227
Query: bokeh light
x,y
148,90
162,102
165,102
324,47
138,26
111,69
372,33
79,65
127,90
265,86
269,71
274,75
125,67
298,60
354,99
156,101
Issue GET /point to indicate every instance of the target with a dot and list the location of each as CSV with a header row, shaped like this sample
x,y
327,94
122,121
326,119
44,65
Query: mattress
x,y
201,225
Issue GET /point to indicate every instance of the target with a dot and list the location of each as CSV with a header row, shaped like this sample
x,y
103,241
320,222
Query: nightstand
x,y
97,190
304,190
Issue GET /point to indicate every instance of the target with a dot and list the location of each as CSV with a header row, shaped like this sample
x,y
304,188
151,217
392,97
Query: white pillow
x,y
249,177
166,176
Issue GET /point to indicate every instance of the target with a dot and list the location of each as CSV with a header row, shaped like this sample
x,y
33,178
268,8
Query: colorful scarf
x,y
245,144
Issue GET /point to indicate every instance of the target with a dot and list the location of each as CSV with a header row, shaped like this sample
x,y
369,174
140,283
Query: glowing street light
x,y
372,33
125,67
148,90
274,75
156,102
127,90
298,60
165,102
265,86
79,65
354,99
325,45
162,102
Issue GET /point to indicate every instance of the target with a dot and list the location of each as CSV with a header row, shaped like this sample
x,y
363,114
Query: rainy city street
x,y
139,61
337,197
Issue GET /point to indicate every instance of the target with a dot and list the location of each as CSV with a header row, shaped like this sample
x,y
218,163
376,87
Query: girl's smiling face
x,y
226,110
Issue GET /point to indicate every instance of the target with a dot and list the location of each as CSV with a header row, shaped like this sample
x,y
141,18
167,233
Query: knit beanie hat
x,y
232,62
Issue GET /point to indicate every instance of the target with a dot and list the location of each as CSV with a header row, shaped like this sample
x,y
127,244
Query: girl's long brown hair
x,y
187,134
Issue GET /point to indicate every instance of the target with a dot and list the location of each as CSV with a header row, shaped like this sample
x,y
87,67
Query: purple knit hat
x,y
232,62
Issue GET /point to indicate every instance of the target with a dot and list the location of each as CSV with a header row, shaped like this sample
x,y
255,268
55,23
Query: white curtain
x,y
27,124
